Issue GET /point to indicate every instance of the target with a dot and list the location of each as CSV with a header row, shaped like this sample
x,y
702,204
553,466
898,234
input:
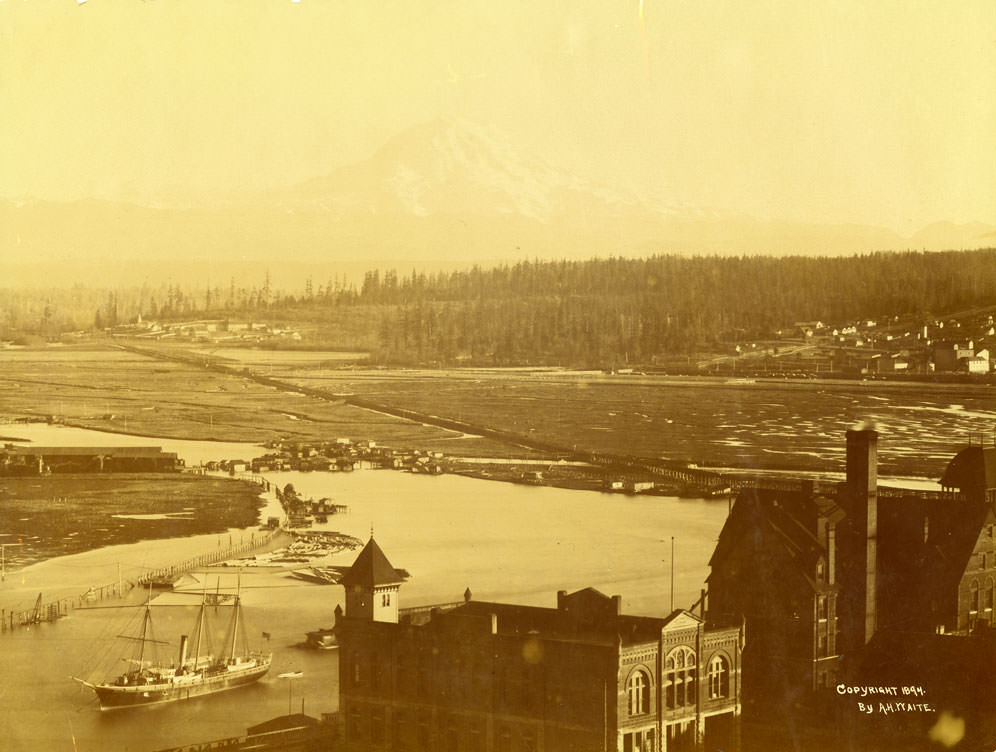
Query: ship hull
x,y
114,697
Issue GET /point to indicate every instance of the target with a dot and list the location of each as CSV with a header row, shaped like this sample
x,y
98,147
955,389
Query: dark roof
x,y
137,451
372,568
565,624
972,469
960,525
763,518
283,723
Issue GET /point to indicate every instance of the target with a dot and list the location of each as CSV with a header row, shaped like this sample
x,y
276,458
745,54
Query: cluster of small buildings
x,y
344,455
891,347
964,357
39,460
216,331
303,512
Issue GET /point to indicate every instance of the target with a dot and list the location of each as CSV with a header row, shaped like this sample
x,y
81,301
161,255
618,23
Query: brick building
x,y
496,677
824,574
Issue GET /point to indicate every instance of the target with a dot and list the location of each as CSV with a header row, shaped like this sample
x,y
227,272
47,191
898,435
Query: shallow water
x,y
506,542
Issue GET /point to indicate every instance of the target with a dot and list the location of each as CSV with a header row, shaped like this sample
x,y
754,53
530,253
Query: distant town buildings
x,y
215,331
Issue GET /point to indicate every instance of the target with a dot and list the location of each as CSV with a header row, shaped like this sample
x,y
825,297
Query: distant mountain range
x,y
441,194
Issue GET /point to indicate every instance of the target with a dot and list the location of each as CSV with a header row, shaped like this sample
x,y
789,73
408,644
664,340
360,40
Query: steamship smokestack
x,y
862,492
183,651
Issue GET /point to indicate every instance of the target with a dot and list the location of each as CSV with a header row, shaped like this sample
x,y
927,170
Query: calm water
x,y
505,542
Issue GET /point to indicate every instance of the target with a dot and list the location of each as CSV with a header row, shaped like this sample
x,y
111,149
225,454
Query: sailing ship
x,y
151,683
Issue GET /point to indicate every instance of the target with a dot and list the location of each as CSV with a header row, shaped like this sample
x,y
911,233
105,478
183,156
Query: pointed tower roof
x,y
371,569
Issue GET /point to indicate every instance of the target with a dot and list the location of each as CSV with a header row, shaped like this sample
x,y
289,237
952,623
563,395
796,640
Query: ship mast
x,y
145,628
200,624
235,623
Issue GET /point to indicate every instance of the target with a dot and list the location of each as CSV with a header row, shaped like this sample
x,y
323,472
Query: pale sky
x,y
846,111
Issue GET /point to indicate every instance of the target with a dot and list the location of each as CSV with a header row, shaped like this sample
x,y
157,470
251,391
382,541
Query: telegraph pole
x,y
672,573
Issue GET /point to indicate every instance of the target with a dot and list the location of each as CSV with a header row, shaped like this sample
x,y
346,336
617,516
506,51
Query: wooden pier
x,y
49,611
259,538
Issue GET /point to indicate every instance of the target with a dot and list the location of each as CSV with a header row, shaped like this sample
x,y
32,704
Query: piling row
x,y
52,610
205,560
256,480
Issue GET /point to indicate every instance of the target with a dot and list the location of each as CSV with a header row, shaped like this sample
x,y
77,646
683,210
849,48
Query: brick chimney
x,y
862,508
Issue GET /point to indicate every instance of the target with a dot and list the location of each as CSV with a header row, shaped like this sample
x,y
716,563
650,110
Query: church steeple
x,y
372,586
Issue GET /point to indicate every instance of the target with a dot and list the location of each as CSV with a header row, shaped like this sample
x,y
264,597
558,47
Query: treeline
x,y
612,311
597,312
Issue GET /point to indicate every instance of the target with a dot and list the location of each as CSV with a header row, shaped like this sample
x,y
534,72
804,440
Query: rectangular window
x,y
821,608
354,729
528,741
400,736
476,744
452,743
377,726
375,672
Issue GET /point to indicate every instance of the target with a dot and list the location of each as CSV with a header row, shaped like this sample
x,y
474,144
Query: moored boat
x,y
323,639
319,575
151,683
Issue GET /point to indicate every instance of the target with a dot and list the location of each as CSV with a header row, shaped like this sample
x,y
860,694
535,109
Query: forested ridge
x,y
600,311
610,311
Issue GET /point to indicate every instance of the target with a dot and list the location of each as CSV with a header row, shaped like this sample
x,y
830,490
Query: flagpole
x,y
291,675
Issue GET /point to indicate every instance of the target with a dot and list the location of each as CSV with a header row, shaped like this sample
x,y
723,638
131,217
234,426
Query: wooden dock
x,y
50,611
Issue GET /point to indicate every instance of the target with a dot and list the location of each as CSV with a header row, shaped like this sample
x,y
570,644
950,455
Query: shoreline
x,y
71,575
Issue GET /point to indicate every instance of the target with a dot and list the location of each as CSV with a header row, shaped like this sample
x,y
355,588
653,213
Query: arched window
x,y
973,602
987,595
638,691
679,678
719,677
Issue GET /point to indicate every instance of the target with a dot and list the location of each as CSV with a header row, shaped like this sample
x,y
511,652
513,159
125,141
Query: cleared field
x,y
767,424
112,390
761,425
64,514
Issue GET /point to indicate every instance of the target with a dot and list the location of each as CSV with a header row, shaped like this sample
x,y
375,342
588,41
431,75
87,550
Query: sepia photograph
x,y
497,376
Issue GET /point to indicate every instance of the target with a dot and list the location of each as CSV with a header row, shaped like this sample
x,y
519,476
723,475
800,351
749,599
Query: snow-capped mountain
x,y
439,194
459,167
